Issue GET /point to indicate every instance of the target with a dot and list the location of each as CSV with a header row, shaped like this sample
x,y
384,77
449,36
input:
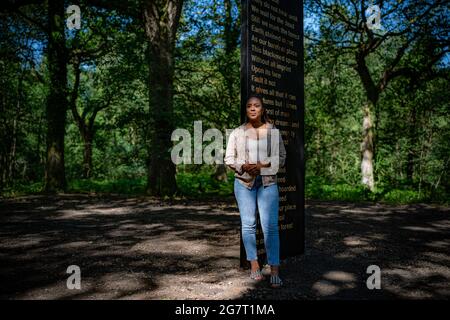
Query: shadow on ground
x,y
141,248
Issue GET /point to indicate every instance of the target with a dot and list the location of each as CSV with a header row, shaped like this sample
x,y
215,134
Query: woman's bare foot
x,y
275,280
255,271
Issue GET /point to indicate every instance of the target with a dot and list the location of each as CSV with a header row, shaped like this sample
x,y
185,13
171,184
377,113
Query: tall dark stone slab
x,y
272,66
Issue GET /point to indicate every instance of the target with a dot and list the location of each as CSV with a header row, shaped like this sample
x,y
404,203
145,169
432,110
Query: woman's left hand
x,y
255,169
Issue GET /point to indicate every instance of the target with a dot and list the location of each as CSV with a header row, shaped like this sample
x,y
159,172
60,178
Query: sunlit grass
x,y
202,185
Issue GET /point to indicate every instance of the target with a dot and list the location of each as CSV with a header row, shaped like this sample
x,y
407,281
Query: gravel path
x,y
142,248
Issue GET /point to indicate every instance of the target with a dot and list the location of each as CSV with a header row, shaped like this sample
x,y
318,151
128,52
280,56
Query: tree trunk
x,y
412,138
55,179
12,154
161,22
87,155
161,171
367,152
12,160
368,144
230,37
221,173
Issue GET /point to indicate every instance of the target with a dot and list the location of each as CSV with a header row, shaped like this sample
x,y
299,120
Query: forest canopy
x,y
92,109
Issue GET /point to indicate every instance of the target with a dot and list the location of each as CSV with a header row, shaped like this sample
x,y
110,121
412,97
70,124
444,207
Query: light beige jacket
x,y
236,155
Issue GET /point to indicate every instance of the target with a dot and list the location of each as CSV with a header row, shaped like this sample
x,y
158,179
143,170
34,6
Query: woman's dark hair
x,y
264,118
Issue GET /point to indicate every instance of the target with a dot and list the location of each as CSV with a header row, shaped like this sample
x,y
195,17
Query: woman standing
x,y
255,151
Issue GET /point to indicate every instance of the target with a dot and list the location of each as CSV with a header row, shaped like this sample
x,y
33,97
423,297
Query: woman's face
x,y
254,109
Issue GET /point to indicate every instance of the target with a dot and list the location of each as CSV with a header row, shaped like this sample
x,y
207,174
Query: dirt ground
x,y
142,248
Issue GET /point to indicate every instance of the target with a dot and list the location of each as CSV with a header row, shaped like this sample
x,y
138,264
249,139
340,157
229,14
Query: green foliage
x,y
21,189
412,156
403,196
318,188
201,184
119,186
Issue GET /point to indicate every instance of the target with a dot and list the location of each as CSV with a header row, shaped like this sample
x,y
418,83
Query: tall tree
x,y
57,103
229,67
94,49
406,23
161,19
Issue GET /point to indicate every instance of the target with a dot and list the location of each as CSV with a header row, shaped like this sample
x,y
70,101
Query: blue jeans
x,y
267,199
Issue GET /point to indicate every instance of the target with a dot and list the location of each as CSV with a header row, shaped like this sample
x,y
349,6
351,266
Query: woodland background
x,y
92,110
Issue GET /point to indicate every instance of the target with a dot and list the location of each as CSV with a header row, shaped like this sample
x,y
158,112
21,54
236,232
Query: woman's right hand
x,y
246,167
251,168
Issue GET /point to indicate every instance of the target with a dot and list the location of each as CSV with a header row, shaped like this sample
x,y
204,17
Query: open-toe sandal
x,y
275,281
256,275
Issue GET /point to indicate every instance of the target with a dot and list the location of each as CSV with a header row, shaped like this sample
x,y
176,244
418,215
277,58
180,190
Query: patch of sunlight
x,y
355,241
325,288
340,276
422,229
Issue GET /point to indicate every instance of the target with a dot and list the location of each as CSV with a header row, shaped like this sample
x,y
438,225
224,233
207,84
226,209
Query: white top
x,y
255,146
236,152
